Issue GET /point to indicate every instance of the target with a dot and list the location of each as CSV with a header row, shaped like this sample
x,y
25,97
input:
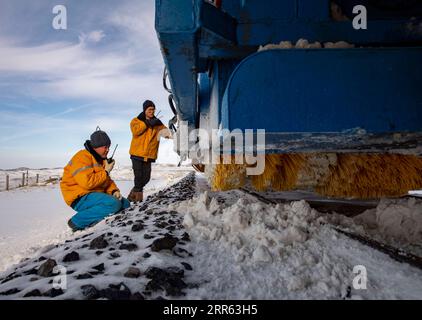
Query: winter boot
x,y
72,226
135,196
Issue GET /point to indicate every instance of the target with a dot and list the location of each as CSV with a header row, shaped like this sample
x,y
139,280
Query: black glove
x,y
154,122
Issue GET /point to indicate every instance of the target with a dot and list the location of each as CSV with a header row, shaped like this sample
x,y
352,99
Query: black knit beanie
x,y
100,139
148,103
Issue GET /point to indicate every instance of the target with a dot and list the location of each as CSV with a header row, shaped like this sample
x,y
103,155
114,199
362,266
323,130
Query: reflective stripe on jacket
x,y
83,175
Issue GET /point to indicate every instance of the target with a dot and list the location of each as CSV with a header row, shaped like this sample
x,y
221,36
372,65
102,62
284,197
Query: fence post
x,y
38,178
7,182
27,178
23,179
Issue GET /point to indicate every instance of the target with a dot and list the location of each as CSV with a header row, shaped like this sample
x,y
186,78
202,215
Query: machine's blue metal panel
x,y
378,32
377,89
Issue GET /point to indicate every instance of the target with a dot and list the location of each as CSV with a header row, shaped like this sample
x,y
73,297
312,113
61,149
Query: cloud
x,y
93,36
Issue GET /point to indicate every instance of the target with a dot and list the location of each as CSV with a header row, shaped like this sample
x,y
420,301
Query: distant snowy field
x,y
36,216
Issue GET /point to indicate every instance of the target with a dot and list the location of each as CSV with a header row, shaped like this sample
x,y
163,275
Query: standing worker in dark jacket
x,y
146,133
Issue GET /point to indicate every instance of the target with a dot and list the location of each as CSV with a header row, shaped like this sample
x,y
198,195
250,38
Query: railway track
x,y
350,209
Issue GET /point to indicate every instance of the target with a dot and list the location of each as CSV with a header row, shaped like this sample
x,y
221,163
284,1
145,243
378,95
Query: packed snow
x,y
305,44
239,248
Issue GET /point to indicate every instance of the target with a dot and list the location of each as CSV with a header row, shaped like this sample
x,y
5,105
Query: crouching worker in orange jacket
x,y
86,184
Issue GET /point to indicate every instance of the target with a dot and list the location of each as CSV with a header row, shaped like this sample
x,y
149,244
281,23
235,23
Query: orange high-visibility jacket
x,y
145,140
83,175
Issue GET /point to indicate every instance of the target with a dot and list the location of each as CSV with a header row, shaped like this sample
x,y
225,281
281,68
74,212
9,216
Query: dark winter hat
x,y
100,139
148,103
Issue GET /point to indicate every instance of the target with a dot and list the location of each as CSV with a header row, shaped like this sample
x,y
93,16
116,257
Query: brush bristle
x,y
373,176
350,175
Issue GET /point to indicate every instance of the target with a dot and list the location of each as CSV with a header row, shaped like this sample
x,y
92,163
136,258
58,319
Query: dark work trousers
x,y
142,172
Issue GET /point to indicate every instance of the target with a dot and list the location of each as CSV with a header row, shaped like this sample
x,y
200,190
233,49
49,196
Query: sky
x,y
57,86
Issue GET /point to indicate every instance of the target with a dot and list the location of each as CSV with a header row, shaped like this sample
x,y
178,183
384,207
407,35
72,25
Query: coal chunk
x,y
70,257
137,227
186,265
128,246
84,276
53,293
33,293
46,269
99,267
132,273
166,243
90,292
98,243
116,292
9,292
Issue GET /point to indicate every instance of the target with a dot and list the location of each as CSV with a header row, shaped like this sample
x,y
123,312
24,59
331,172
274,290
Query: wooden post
x,y
7,182
23,179
38,178
27,178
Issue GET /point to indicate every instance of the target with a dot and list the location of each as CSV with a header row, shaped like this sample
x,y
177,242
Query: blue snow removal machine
x,y
323,78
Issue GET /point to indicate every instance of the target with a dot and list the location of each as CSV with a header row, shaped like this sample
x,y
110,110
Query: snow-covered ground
x,y
239,248
33,217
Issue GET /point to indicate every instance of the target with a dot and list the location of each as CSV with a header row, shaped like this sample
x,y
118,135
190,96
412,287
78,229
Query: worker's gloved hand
x,y
109,166
154,122
117,195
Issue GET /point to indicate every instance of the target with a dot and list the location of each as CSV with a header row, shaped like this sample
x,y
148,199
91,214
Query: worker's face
x,y
102,151
149,112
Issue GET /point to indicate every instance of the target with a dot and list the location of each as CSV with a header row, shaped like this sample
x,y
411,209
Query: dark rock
x,y
53,293
41,259
46,269
87,235
84,276
116,292
99,267
132,273
98,243
30,272
171,228
129,223
185,237
90,292
84,246
109,234
114,255
169,279
70,272
165,243
129,247
33,293
171,221
153,285
137,227
9,292
73,256
111,249
182,253
137,296
34,279
148,236
99,252
146,255
186,265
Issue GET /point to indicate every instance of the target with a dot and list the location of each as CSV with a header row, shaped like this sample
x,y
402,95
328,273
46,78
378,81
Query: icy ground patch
x,y
33,217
